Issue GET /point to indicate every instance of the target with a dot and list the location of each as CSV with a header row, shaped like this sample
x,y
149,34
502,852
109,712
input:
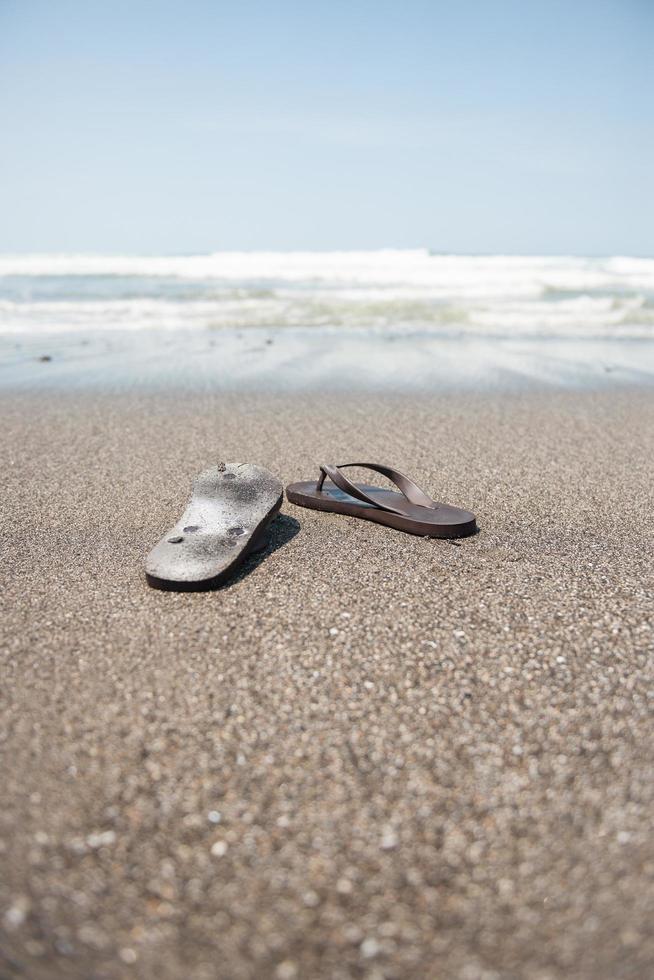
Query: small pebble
x,y
103,839
389,840
369,948
16,914
286,970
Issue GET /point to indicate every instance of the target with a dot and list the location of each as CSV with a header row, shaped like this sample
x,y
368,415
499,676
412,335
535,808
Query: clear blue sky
x,y
463,125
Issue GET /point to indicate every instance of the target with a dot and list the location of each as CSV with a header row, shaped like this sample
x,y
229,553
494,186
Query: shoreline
x,y
301,359
368,755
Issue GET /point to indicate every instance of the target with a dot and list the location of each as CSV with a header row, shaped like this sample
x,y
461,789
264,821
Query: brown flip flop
x,y
411,510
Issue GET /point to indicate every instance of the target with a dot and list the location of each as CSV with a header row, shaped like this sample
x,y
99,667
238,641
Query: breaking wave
x,y
381,290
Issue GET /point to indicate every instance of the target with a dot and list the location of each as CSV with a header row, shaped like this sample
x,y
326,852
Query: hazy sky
x,y
465,125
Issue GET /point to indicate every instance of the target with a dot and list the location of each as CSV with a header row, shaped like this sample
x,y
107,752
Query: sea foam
x,y
387,289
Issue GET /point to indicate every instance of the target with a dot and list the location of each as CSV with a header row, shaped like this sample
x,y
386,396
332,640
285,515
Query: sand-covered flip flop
x,y
410,510
225,520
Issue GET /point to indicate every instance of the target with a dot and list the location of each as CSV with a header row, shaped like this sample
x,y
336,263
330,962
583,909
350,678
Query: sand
x,y
370,755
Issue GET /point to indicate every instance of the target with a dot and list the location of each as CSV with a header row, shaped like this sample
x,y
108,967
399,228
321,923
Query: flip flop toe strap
x,y
407,487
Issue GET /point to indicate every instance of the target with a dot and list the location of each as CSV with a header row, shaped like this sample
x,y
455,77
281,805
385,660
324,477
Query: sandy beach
x,y
370,755
286,235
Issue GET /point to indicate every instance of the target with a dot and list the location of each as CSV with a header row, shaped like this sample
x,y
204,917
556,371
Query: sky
x,y
476,126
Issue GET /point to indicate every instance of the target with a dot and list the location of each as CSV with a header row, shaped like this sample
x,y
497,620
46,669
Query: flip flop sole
x,y
442,522
225,521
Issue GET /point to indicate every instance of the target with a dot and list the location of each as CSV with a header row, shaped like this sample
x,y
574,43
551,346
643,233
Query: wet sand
x,y
370,755
299,359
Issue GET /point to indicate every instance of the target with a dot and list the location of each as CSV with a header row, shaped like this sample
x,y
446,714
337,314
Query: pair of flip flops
x,y
233,504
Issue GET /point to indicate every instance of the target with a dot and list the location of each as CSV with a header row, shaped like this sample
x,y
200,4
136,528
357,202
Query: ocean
x,y
405,290
294,319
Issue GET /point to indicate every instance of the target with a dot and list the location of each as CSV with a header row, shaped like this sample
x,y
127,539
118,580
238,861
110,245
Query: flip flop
x,y
411,510
225,521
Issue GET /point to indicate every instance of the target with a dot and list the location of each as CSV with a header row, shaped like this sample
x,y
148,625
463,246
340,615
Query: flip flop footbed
x,y
443,521
225,520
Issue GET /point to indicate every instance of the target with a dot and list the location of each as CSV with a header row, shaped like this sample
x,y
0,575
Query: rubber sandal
x,y
225,521
411,510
